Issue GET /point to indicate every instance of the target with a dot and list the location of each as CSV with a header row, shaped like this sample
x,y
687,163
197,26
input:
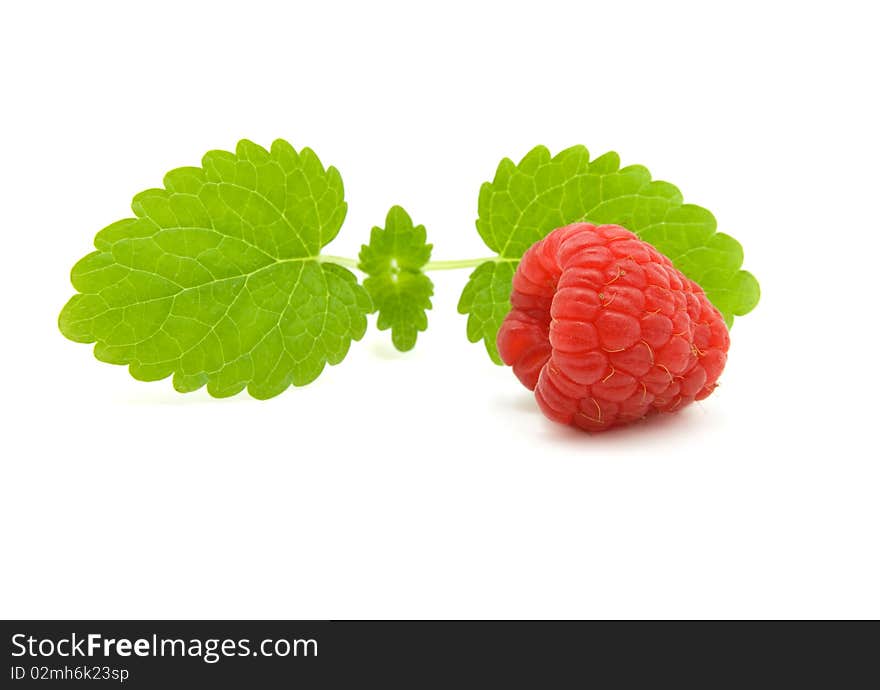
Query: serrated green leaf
x,y
526,201
393,262
218,278
486,299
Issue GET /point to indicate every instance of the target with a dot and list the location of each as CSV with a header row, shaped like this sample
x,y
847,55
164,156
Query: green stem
x,y
457,263
341,260
430,266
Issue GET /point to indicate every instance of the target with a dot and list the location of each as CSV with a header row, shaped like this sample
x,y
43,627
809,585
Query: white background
x,y
428,484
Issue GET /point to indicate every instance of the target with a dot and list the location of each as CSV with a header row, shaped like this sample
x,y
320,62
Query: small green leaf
x,y
486,298
526,201
393,262
218,278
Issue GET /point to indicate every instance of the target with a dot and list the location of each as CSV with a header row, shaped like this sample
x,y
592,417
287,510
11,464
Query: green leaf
x,y
526,201
218,278
393,260
486,297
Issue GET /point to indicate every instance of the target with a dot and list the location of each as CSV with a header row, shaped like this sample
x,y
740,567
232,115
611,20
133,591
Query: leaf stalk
x,y
449,265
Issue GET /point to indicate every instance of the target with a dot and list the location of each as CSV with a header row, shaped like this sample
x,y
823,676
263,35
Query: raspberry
x,y
606,331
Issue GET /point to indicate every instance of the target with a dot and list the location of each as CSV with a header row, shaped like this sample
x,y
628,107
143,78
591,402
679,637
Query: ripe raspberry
x,y
606,331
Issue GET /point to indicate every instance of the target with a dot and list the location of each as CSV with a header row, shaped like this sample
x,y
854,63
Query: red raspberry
x,y
606,331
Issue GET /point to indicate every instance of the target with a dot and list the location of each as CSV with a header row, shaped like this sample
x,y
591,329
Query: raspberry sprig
x,y
615,296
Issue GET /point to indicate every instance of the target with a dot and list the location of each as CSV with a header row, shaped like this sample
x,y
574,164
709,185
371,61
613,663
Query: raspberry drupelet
x,y
607,331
